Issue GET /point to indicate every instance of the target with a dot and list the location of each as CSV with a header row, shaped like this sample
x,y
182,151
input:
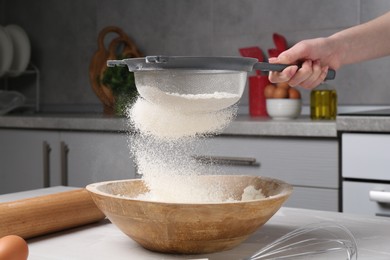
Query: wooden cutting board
x,y
99,59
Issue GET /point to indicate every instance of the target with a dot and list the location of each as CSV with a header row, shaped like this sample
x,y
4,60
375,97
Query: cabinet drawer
x,y
314,198
357,198
366,156
298,161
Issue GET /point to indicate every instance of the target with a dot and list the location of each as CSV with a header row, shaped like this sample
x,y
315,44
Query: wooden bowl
x,y
190,228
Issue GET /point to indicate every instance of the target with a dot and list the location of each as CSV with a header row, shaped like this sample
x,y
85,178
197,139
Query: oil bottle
x,y
323,102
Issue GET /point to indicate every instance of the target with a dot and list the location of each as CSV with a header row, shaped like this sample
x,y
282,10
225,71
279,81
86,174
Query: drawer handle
x,y
226,160
382,215
46,149
64,163
380,196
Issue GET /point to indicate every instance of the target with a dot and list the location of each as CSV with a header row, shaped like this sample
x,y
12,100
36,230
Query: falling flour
x,y
165,141
172,124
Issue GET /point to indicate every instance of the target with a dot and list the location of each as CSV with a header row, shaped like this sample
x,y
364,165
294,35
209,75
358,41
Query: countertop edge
x,y
301,127
66,123
363,123
241,126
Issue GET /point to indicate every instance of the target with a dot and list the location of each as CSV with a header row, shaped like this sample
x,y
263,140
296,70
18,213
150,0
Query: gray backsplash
x,y
63,35
2,12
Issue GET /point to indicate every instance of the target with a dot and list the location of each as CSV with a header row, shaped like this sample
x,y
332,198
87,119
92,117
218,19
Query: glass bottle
x,y
323,102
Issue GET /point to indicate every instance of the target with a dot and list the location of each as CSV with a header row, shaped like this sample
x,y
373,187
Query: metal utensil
x,y
203,84
157,63
325,239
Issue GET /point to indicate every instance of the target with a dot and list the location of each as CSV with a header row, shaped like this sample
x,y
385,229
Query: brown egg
x,y
280,93
13,248
282,85
269,91
294,93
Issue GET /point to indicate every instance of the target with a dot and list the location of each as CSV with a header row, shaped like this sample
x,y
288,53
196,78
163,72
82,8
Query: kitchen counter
x,y
104,241
363,123
302,126
58,121
243,125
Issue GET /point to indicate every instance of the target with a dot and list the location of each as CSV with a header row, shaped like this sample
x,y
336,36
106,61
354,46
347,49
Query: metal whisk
x,y
325,239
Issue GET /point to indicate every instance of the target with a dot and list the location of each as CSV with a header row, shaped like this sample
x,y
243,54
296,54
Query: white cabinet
x,y
366,156
31,159
366,198
309,164
92,157
25,159
366,173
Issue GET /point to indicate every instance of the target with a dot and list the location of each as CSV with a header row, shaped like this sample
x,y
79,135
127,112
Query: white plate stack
x,y
15,53
15,50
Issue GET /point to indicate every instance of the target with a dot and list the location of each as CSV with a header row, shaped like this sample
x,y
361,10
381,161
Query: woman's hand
x,y
314,56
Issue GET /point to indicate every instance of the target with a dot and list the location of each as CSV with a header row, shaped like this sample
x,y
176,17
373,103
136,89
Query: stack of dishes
x,y
15,50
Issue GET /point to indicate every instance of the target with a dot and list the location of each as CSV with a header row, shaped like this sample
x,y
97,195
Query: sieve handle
x,y
265,66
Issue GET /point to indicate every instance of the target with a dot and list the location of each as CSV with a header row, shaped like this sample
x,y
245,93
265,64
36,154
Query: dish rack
x,y
31,102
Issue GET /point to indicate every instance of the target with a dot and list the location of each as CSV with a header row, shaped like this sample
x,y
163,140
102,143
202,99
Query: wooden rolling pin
x,y
45,214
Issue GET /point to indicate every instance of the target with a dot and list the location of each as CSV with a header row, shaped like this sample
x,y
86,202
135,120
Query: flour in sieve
x,y
204,102
189,103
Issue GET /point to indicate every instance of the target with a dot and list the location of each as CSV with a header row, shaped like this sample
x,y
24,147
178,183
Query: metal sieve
x,y
194,84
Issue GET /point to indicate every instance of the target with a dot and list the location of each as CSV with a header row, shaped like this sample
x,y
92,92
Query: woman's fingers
x,y
309,75
317,76
284,76
321,78
306,53
302,74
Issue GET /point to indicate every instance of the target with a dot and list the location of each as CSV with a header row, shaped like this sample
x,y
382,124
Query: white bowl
x,y
283,108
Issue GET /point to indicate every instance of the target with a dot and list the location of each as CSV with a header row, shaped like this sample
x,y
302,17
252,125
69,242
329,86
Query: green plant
x,y
121,81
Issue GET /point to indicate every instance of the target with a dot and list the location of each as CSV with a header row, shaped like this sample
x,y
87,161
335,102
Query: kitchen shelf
x,y
31,70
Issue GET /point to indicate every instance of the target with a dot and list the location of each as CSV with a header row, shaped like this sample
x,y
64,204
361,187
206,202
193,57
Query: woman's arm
x,y
359,43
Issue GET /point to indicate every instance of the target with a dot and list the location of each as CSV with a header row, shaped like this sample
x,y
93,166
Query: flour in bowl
x,y
251,193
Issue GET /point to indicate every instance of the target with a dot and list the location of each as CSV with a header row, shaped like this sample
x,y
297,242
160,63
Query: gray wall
x,y
2,12
63,36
